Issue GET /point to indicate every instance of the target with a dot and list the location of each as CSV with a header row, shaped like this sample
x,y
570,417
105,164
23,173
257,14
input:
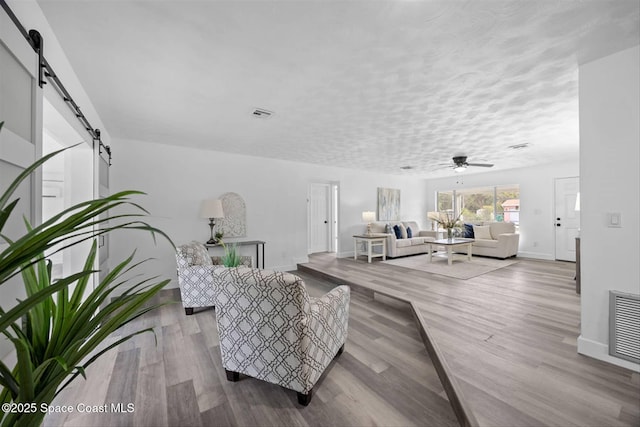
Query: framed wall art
x,y
388,204
234,223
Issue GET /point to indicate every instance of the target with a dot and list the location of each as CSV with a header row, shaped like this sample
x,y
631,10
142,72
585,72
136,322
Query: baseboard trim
x,y
536,255
597,350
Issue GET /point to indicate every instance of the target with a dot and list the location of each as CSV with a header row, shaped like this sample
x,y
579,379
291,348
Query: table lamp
x,y
368,217
211,209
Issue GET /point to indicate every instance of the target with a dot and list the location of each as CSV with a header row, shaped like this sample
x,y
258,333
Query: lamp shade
x,y
211,208
368,216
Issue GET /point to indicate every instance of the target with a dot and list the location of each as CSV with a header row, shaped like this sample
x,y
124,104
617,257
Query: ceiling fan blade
x,y
482,165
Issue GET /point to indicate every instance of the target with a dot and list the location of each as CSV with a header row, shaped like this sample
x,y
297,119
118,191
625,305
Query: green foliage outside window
x,y
478,204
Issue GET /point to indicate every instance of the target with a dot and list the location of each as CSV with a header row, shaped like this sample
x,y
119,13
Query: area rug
x,y
460,269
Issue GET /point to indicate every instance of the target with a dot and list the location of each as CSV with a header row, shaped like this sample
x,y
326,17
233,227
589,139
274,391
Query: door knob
x,y
558,225
557,219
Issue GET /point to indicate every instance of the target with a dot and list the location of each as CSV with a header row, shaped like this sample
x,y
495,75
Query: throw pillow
x,y
409,233
397,232
403,231
468,231
482,232
199,254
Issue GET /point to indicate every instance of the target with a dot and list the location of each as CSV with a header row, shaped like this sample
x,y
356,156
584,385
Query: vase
x,y
449,234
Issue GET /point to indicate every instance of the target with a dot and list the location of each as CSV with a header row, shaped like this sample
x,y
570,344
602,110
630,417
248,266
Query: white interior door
x,y
20,141
319,218
567,219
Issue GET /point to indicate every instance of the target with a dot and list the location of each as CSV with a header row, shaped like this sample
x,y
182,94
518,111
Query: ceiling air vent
x,y
519,146
261,113
406,167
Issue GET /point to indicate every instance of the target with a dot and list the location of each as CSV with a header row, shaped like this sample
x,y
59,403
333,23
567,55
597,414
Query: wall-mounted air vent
x,y
261,113
624,326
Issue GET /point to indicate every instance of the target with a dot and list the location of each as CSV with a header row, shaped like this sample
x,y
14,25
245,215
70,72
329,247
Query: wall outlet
x,y
614,219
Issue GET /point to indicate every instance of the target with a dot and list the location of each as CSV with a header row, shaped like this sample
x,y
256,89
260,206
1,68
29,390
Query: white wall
x,y
177,179
609,156
537,230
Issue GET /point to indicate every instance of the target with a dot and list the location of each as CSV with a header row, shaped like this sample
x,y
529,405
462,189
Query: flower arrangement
x,y
447,221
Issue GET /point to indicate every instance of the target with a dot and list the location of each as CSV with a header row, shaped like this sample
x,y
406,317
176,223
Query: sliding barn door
x,y
20,140
103,191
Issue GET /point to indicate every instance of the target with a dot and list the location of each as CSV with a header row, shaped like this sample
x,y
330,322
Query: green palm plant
x,y
231,257
60,327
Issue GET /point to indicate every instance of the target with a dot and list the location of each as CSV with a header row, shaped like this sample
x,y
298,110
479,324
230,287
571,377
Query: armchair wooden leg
x,y
340,350
305,399
232,376
188,311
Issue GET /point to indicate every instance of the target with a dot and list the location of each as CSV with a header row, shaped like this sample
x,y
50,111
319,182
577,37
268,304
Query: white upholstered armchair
x,y
195,276
272,330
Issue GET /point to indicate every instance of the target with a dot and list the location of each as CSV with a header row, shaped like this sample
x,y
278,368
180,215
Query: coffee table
x,y
450,244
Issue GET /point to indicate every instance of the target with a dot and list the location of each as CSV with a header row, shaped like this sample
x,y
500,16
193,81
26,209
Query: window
x,y
508,204
445,201
499,203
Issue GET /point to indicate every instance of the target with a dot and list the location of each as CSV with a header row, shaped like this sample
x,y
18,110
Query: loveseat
x,y
416,244
493,239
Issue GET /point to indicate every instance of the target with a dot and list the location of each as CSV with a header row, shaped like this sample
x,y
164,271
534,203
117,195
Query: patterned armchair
x,y
195,276
270,328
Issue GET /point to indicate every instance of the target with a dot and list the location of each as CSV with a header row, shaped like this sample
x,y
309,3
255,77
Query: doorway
x,y
567,217
322,223
67,179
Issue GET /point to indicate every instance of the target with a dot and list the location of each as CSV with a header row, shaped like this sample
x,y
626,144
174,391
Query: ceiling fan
x,y
460,164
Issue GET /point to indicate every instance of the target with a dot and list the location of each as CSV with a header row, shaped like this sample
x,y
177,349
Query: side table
x,y
256,243
370,241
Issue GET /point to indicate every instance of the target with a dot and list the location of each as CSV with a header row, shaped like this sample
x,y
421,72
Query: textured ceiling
x,y
373,85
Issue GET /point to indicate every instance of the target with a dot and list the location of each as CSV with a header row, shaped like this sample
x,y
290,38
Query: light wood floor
x,y
384,377
508,337
509,340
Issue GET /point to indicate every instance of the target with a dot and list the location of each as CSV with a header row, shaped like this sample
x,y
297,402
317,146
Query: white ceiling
x,y
375,85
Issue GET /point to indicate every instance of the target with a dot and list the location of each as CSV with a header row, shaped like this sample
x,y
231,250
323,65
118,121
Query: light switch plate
x,y
614,219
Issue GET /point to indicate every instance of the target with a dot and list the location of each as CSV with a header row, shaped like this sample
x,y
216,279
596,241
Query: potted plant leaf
x,y
60,327
231,257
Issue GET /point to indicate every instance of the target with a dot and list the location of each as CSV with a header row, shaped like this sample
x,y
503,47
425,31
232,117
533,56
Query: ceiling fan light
x,y
460,168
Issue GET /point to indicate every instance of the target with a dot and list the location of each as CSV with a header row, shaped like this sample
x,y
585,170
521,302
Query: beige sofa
x,y
409,246
494,239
